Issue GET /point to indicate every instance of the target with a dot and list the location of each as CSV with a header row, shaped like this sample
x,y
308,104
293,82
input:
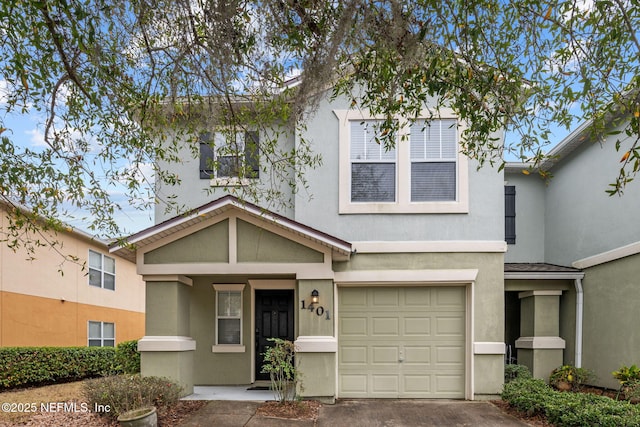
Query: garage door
x,y
401,342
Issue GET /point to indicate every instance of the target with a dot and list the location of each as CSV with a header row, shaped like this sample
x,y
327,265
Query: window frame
x,y
102,270
102,338
403,203
206,139
228,348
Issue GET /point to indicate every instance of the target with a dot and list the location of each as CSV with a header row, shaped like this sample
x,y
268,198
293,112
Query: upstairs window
x,y
434,153
423,173
373,168
102,271
225,158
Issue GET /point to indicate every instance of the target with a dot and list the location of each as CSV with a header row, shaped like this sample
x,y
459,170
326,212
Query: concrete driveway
x,y
360,413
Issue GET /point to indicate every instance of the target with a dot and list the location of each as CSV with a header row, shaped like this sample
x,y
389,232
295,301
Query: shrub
x,y
28,366
533,396
571,375
278,363
127,359
515,372
122,393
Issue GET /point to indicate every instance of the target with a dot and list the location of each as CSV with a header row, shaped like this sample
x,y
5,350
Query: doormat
x,y
259,387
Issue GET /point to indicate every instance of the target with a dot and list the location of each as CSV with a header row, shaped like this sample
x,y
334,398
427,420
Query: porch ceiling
x,y
127,247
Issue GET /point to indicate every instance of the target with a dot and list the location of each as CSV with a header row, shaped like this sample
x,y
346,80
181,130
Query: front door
x,y
274,319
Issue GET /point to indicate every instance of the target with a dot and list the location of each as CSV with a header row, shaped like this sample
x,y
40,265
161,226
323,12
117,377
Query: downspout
x,y
579,310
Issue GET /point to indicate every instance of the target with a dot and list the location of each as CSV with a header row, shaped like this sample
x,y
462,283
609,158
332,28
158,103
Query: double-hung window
x,y
228,318
101,334
102,271
229,158
434,153
373,168
423,172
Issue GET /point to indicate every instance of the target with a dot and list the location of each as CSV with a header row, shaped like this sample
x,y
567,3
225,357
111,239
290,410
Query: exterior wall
x,y
611,337
530,218
580,218
47,302
485,220
192,191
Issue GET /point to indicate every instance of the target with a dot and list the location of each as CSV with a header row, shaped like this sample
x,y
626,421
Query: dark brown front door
x,y
274,319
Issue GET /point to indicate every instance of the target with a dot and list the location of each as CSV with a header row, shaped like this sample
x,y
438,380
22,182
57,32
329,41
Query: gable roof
x,y
127,248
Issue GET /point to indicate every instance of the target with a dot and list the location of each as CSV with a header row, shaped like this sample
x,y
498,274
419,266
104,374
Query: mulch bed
x,y
299,410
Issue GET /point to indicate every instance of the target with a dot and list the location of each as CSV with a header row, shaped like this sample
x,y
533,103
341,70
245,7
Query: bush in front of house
x,y
127,358
515,372
122,393
29,366
534,397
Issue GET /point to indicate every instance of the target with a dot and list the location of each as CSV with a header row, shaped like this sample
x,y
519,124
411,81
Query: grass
x,y
37,395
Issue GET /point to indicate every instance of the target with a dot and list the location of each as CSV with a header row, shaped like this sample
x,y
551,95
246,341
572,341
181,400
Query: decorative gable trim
x,y
612,255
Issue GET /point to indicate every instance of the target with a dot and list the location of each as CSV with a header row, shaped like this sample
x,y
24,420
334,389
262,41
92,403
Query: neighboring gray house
x,y
405,250
574,258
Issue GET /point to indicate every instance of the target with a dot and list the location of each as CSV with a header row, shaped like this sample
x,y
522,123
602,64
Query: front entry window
x,y
228,318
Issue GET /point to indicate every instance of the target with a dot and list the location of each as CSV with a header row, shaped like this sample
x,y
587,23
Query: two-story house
x,y
390,279
572,271
92,299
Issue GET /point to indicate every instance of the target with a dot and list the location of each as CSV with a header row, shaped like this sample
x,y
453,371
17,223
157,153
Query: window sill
x,y
230,182
228,348
398,208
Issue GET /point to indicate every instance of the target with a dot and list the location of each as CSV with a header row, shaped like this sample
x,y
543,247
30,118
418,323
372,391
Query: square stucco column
x,y
167,348
316,344
539,347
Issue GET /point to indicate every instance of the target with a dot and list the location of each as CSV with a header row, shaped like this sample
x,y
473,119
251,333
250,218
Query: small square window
x,y
102,271
101,334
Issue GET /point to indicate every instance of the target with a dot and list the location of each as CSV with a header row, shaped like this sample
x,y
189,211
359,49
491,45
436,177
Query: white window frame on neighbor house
x,y
228,289
101,336
402,202
101,270
221,142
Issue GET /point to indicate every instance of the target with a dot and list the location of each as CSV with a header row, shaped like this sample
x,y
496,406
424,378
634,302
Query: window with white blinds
x,y
373,168
433,152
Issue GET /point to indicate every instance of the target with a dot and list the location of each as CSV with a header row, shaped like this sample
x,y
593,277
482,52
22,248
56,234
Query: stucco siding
x,y
611,336
319,206
27,320
530,218
207,245
581,219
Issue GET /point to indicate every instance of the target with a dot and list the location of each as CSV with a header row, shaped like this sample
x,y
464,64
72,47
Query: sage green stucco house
x,y
404,251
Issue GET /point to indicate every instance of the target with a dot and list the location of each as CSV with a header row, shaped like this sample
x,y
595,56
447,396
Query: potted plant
x,y
629,379
568,377
141,417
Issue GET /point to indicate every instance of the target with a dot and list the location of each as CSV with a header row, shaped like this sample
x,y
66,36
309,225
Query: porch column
x,y
316,344
167,348
540,347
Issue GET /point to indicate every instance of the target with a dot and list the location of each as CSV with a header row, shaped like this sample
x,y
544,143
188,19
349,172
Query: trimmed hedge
x,y
534,396
28,366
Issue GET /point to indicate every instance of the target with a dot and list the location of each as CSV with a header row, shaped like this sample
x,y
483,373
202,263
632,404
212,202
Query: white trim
x,y
542,293
403,203
316,344
169,278
612,255
228,286
166,343
430,246
540,343
308,270
272,283
489,348
227,348
513,275
406,277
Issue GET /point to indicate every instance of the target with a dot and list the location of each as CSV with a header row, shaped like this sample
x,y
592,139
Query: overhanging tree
x,y
121,84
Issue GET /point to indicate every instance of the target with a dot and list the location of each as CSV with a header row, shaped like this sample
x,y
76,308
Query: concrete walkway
x,y
359,413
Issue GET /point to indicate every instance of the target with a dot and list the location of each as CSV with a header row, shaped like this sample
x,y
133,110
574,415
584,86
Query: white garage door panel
x,y
402,342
